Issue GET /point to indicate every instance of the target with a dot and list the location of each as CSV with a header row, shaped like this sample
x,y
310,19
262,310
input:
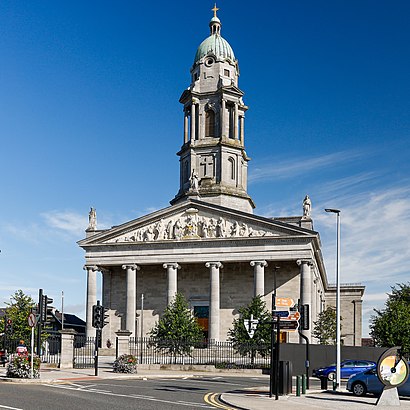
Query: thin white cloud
x,y
69,222
291,168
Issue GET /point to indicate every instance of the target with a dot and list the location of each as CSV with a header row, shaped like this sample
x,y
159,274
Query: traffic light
x,y
99,316
8,328
45,308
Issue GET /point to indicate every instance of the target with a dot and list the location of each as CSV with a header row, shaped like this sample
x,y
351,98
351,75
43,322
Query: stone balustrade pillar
x,y
123,340
67,349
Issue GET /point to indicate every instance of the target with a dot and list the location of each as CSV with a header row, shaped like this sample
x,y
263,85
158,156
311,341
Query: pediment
x,y
195,221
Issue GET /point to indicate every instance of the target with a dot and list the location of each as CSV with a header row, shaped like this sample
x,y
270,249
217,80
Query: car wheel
x,y
359,389
331,376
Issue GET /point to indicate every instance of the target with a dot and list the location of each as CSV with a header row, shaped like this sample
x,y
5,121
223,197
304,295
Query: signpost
x,y
32,321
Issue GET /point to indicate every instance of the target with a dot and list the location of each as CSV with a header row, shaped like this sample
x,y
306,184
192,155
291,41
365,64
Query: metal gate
x,y
84,348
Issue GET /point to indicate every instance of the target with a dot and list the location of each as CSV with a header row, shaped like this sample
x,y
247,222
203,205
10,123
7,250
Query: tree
x,y
324,328
178,330
391,326
18,310
260,342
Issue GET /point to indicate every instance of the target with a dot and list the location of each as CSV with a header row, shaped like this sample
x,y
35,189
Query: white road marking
x,y
122,395
11,408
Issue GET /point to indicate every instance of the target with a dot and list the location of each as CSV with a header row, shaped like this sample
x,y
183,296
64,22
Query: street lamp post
x,y
337,212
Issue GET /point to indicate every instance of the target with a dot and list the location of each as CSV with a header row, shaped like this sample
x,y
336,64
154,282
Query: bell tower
x,y
213,161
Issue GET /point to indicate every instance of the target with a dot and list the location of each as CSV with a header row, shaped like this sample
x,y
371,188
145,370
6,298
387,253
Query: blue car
x,y
347,369
368,382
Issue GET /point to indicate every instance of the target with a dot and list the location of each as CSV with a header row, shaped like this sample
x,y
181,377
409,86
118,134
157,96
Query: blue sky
x,y
89,116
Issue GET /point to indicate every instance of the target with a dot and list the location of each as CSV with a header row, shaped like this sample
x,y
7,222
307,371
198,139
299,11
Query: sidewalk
x,y
250,399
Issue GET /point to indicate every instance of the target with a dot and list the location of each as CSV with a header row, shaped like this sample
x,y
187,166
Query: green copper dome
x,y
215,44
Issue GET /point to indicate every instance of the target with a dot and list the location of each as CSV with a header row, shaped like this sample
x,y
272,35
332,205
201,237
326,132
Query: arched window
x,y
210,123
232,167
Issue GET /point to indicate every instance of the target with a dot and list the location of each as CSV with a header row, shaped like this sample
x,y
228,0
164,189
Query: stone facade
x,y
208,244
351,296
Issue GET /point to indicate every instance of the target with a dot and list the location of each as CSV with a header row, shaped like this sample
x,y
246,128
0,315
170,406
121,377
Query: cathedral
x,y
208,244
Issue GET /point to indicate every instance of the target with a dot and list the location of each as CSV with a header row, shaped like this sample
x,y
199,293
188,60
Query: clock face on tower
x,y
209,61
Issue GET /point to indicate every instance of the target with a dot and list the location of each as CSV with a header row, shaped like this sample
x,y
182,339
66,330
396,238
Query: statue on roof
x,y
92,219
307,206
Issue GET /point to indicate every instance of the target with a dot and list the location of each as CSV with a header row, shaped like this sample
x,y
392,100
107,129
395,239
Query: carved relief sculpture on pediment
x,y
190,225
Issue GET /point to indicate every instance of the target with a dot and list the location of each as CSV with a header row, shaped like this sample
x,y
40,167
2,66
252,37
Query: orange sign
x,y
293,316
284,302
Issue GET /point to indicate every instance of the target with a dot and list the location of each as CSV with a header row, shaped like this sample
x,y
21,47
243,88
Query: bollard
x,y
303,383
334,385
298,379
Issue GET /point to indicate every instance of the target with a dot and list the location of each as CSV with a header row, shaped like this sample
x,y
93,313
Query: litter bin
x,y
285,377
323,382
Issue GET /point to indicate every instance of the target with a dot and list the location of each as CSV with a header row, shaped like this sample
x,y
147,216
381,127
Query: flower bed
x,y
125,363
19,366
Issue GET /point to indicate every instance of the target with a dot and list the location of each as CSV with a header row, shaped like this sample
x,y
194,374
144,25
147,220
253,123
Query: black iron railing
x,y
219,354
84,348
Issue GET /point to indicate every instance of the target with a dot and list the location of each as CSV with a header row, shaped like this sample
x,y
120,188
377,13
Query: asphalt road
x,y
169,394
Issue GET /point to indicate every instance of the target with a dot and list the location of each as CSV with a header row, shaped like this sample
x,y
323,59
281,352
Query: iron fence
x,y
49,352
219,354
51,349
84,348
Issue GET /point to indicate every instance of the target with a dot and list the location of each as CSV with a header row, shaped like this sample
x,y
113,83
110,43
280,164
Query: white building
x,y
209,245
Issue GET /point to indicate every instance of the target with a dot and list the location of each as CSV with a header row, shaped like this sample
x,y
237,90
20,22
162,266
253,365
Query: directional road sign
x,y
281,313
289,324
284,302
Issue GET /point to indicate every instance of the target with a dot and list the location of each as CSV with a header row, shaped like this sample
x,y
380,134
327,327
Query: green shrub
x,y
19,366
126,363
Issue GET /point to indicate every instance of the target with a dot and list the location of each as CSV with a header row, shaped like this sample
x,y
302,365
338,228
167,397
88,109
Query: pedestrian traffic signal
x,y
8,329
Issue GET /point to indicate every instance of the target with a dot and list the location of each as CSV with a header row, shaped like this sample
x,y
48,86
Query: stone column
x,y
185,126
259,277
222,117
123,340
67,348
235,126
91,298
131,313
242,136
214,300
193,121
306,291
172,269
